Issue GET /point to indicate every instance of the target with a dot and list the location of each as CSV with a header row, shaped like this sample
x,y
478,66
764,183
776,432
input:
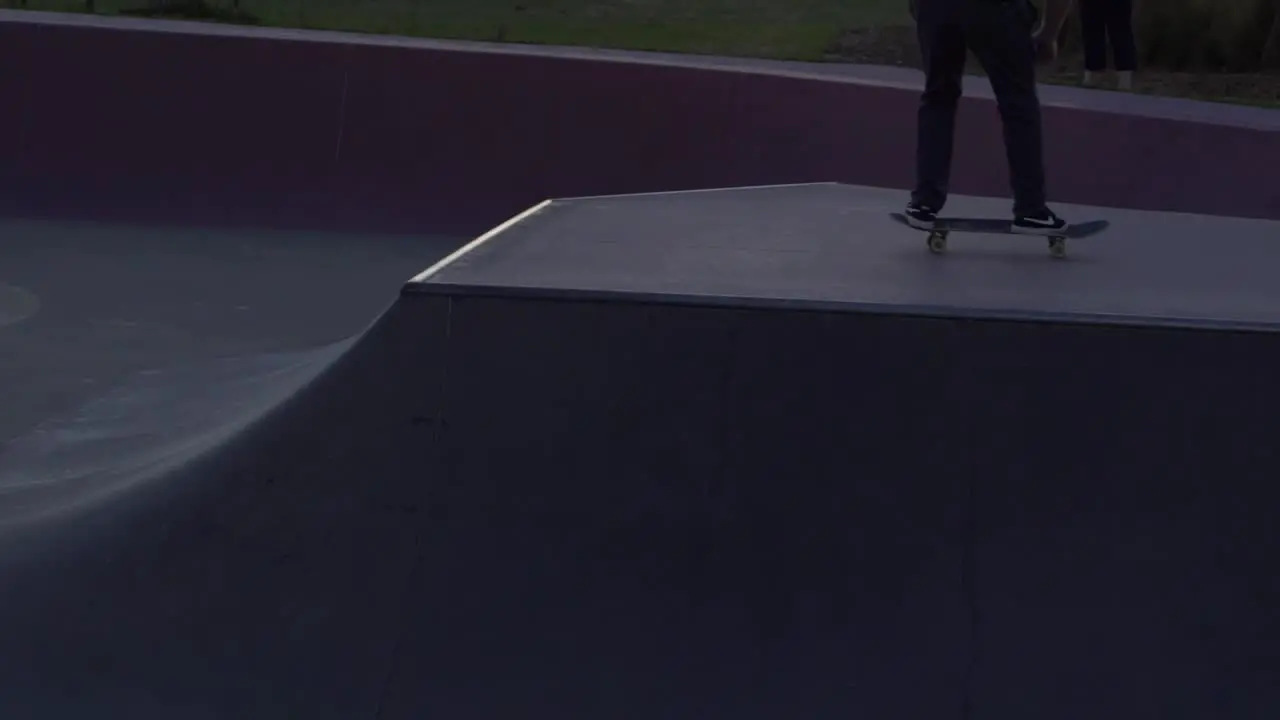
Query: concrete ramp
x,y
156,420
750,453
263,579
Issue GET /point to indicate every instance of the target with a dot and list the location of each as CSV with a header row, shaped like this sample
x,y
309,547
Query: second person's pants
x,y
1103,23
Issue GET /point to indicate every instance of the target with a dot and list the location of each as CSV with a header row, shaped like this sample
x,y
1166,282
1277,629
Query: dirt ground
x,y
896,45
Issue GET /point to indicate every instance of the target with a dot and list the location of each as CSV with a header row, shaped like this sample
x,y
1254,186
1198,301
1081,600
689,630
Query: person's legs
x,y
942,49
1093,35
1124,50
999,32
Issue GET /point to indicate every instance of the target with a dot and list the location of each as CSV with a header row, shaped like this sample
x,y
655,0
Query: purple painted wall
x,y
221,126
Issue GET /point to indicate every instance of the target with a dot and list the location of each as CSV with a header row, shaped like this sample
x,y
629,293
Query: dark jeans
x,y
998,32
1103,20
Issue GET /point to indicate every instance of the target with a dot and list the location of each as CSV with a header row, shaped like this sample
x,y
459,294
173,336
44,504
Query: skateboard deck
x,y
944,226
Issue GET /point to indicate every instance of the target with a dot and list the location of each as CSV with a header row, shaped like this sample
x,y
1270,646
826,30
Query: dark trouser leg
x,y
1119,20
999,33
1093,33
943,50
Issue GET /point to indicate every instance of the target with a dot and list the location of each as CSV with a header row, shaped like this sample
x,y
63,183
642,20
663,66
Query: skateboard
x,y
944,226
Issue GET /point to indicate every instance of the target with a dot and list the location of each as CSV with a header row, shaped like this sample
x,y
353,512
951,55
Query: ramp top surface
x,y
834,246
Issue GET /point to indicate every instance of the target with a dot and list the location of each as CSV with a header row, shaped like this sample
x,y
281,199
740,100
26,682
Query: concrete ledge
x,y
192,122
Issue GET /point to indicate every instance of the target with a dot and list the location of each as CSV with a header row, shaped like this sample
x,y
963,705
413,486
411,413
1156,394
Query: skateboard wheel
x,y
937,241
1058,247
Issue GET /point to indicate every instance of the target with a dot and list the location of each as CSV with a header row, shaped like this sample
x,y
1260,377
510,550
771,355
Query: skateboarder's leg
x,y
999,33
942,48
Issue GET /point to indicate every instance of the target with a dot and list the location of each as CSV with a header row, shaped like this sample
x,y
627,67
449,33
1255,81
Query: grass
x,y
873,31
784,29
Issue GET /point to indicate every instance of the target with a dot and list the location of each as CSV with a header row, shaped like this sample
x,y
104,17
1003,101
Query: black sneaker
x,y
1042,222
919,216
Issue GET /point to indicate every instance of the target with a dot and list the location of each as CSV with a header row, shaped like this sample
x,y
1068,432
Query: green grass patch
x,y
780,29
